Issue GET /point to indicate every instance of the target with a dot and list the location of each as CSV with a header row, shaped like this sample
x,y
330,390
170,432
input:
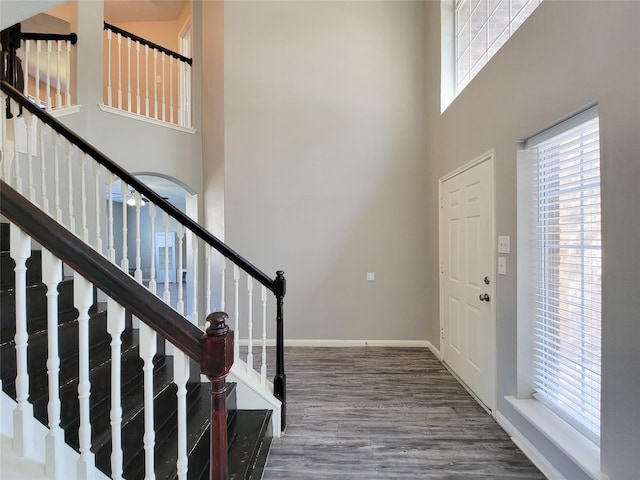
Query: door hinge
x,y
441,202
442,332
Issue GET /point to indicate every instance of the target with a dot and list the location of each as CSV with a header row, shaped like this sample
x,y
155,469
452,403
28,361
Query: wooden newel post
x,y
216,361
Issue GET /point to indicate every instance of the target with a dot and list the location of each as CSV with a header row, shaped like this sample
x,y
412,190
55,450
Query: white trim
x,y
135,116
435,351
567,123
344,343
528,449
64,111
584,453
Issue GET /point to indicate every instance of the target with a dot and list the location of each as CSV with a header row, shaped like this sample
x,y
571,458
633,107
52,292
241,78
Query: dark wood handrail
x,y
70,37
138,186
144,41
101,272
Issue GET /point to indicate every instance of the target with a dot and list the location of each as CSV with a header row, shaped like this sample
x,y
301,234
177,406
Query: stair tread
x,y
252,440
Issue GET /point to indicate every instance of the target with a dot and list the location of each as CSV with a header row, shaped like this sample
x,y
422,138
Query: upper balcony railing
x,y
144,78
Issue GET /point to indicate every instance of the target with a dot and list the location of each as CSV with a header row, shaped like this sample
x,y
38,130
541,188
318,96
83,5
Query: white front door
x,y
466,277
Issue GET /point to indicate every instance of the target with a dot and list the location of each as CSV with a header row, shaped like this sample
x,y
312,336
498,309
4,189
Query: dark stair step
x,y
250,449
8,265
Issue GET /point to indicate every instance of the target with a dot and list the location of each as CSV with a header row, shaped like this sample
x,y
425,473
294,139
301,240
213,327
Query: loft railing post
x,y
215,363
280,380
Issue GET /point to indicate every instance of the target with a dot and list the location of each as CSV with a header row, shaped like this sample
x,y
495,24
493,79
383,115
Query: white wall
x,y
324,165
567,55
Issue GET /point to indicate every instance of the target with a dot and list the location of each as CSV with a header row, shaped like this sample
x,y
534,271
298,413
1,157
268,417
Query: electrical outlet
x,y
371,276
502,265
504,244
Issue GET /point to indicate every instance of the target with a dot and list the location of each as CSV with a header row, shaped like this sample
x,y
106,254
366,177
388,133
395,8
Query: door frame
x,y
488,156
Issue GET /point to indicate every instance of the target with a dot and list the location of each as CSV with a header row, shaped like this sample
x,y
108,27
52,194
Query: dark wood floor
x,y
380,413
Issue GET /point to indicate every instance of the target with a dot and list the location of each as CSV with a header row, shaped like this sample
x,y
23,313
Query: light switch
x,y
504,244
502,266
371,276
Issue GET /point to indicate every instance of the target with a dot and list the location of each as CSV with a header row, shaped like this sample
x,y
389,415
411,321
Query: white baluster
x,y
129,74
54,440
148,347
171,89
38,51
180,304
250,325
68,76
155,84
16,156
138,274
29,121
83,196
124,263
181,375
115,326
146,94
138,78
58,79
167,295
56,175
97,170
111,251
194,286
263,367
49,42
27,54
109,87
223,269
23,412
6,149
72,220
82,295
43,170
236,287
119,39
164,91
152,217
207,279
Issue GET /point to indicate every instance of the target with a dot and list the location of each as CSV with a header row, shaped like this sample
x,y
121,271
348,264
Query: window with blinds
x,y
481,28
567,269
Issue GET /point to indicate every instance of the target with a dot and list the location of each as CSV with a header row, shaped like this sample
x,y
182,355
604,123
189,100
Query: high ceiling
x,y
143,10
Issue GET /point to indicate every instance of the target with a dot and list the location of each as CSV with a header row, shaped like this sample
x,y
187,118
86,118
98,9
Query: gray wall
x,y
567,55
324,160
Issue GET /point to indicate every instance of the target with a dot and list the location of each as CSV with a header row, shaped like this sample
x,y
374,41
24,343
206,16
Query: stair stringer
x,y
32,467
252,395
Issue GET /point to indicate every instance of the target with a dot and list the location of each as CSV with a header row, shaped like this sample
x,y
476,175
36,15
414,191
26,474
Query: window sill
x,y
584,453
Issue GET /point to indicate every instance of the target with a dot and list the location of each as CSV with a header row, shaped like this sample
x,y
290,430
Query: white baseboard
x,y
343,343
434,350
528,449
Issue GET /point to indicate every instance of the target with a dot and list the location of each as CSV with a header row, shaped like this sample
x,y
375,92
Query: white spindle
x,y
263,367
83,197
23,412
27,54
250,325
43,170
16,156
129,74
38,51
155,83
56,175
138,78
58,76
109,87
171,89
68,76
82,295
97,170
166,294
119,39
223,270
180,304
29,120
54,440
115,327
236,288
146,88
72,220
148,347
163,56
152,270
111,251
138,273
49,42
207,279
194,286
181,375
124,264
7,143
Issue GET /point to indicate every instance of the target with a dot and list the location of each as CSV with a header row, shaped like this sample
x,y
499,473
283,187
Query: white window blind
x,y
481,28
566,294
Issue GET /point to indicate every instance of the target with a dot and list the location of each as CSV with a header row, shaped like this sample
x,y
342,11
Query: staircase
x,y
249,432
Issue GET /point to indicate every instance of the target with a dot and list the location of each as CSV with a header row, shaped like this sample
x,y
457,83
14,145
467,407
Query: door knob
x,y
484,297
